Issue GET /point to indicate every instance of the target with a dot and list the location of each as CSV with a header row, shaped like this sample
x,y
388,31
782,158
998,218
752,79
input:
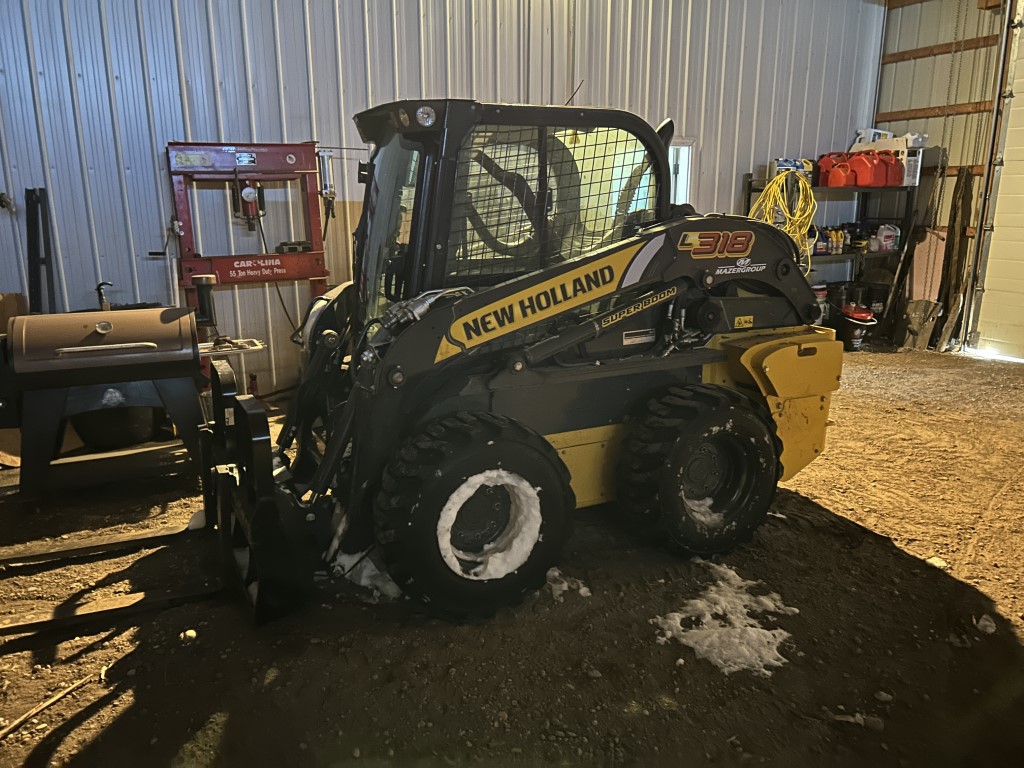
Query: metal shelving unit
x,y
901,205
838,258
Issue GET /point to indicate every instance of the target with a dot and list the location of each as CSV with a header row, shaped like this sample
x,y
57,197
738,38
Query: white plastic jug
x,y
888,237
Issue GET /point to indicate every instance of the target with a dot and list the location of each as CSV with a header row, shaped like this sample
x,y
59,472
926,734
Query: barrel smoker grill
x,y
76,363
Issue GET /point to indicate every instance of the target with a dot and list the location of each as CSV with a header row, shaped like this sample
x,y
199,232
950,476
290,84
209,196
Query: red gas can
x,y
893,168
868,169
825,165
841,176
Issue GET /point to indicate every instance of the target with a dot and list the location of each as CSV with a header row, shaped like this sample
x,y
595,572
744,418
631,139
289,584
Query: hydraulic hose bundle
x,y
774,206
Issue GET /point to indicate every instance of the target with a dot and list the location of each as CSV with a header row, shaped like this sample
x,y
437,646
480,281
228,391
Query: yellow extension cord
x,y
772,206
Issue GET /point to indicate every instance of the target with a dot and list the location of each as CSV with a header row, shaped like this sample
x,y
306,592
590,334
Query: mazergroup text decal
x,y
741,267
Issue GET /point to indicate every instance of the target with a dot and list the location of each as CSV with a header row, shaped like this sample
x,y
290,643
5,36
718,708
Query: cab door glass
x,y
390,205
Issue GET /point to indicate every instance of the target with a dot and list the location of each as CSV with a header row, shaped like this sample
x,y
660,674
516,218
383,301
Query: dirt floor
x,y
890,660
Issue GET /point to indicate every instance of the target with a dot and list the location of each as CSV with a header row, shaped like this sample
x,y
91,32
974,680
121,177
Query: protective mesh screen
x,y
528,196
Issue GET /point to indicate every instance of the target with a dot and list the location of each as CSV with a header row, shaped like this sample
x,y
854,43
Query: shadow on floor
x,y
879,633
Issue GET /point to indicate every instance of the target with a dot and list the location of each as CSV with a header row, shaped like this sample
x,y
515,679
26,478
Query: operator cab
x,y
460,193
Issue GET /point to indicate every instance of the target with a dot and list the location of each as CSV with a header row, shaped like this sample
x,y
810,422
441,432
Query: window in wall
x,y
680,163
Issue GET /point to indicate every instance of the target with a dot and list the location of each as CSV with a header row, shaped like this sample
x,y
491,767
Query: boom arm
x,y
735,273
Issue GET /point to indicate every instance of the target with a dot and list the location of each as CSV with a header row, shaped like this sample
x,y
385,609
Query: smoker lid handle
x,y
140,346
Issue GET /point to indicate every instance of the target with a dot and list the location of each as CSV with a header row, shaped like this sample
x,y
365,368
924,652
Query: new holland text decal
x,y
587,283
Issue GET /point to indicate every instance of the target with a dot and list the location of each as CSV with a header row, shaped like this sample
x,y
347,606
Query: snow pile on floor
x,y
198,520
560,584
719,625
361,568
985,624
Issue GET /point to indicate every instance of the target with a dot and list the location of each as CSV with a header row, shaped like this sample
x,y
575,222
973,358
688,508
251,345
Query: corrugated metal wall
x,y
91,92
951,78
749,81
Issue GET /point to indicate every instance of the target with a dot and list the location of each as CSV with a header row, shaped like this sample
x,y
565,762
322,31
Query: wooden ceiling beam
x,y
892,5
941,49
967,108
952,170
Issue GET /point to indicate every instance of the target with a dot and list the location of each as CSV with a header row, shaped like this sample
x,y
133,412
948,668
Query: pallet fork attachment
x,y
266,532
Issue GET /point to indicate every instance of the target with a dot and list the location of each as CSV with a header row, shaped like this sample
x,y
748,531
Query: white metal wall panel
x,y
20,154
748,81
1001,322
91,92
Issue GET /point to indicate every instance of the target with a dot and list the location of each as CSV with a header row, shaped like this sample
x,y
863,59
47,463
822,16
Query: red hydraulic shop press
x,y
246,167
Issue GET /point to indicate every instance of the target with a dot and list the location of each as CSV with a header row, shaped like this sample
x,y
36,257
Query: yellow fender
x,y
796,370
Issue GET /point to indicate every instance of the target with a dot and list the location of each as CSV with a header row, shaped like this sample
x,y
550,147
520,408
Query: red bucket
x,y
851,324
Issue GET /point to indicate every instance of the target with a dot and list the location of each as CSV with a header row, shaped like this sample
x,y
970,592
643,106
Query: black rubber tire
x,y
662,446
422,476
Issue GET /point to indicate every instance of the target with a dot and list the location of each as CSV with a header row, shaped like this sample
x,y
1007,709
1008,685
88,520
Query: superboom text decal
x,y
538,302
716,244
645,303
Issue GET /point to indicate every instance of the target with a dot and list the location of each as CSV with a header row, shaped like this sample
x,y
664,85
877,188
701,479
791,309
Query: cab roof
x,y
459,115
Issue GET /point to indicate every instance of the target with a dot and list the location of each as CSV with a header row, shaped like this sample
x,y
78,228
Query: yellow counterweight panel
x,y
797,370
590,456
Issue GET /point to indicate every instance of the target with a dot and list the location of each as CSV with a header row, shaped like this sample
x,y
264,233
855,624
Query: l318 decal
x,y
717,245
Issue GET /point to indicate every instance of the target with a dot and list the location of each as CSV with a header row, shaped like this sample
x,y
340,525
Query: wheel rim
x,y
490,525
715,479
482,519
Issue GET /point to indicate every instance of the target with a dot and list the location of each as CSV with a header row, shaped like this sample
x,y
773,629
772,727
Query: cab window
x,y
529,196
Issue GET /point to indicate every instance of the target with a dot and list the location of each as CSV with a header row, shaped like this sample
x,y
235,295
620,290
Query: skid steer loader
x,y
531,329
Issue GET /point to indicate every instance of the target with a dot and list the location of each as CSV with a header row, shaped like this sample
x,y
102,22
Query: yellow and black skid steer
x,y
531,329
